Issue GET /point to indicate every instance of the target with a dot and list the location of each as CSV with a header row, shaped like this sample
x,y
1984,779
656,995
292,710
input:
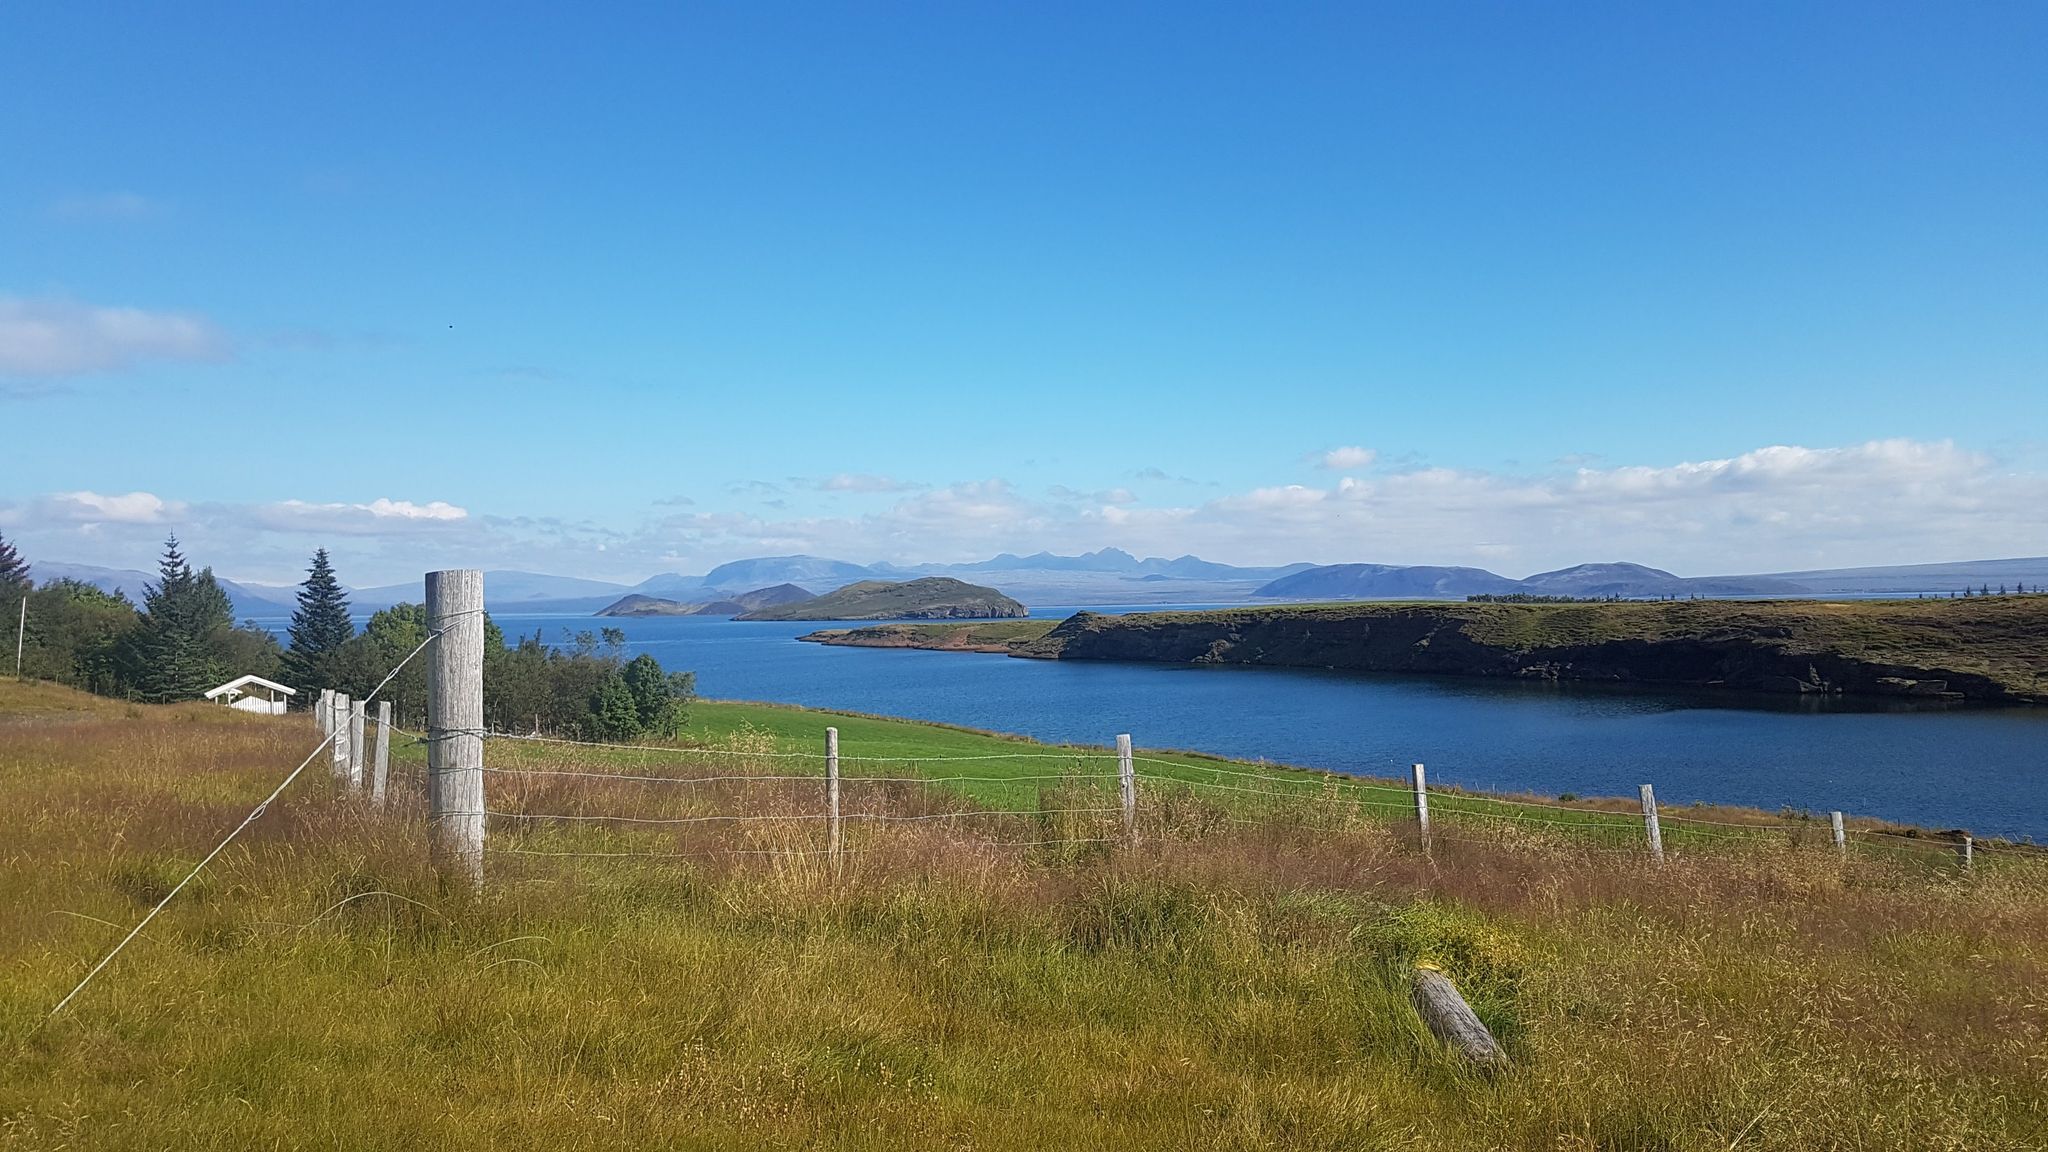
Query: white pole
x,y
1841,835
1967,851
1651,826
1422,808
355,747
325,711
340,720
832,792
1127,787
455,720
20,634
381,766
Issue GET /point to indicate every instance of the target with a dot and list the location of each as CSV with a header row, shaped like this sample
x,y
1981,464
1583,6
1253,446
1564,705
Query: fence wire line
x,y
804,779
535,738
222,846
787,852
735,818
1307,786
1285,787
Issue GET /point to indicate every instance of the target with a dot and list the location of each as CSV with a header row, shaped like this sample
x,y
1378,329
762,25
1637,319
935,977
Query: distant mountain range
x,y
1113,576
1427,582
248,599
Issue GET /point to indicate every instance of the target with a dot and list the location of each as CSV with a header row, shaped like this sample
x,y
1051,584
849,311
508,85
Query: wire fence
x,y
565,797
546,796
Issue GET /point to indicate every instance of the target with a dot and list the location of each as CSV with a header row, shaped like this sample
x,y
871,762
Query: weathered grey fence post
x,y
339,719
1841,835
455,720
380,767
1967,851
832,827
355,747
1422,809
325,711
1650,825
1127,787
1437,1000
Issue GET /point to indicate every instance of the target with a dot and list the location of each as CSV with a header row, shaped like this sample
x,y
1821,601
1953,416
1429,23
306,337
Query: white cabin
x,y
253,694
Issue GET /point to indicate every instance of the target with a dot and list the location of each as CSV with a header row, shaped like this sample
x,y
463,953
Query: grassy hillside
x,y
930,598
1238,980
1992,648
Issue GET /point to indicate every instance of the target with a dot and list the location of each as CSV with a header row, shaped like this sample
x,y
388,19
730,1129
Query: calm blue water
x,y
1981,769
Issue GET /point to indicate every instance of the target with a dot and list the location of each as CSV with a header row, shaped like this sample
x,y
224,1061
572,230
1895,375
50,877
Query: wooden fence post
x,y
832,826
339,719
1650,825
1127,787
1841,835
455,720
355,747
324,711
1967,851
1437,1001
380,766
1421,808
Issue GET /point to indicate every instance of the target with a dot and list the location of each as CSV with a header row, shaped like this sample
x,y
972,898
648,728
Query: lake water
x,y
1977,768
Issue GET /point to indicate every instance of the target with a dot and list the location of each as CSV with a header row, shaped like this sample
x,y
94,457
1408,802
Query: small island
x,y
931,598
636,604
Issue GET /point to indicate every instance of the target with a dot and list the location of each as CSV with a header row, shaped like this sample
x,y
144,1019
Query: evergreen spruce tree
x,y
15,586
320,626
14,578
171,654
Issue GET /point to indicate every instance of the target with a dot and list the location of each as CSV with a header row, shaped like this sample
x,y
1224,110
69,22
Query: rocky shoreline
x,y
1993,650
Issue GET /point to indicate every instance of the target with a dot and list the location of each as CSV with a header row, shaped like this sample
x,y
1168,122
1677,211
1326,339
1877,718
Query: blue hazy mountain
x,y
248,599
1386,581
809,571
1113,576
1637,581
1934,579
505,589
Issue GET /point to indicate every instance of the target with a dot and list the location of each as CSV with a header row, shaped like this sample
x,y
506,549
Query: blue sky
x,y
1714,287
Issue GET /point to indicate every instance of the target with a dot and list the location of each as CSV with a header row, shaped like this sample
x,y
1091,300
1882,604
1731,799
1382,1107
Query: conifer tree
x,y
15,586
320,626
14,578
171,653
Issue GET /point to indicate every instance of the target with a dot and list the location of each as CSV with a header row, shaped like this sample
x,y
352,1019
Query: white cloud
x,y
1772,509
53,337
109,206
1350,456
861,482
1068,495
377,517
94,508
407,510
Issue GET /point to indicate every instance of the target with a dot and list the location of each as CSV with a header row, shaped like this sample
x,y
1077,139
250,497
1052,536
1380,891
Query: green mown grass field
x,y
990,967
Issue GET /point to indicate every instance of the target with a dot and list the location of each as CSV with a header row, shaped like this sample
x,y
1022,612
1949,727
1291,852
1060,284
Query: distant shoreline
x,y
1982,650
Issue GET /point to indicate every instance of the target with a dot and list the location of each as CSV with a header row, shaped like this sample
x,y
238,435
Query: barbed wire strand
x,y
222,846
737,818
796,779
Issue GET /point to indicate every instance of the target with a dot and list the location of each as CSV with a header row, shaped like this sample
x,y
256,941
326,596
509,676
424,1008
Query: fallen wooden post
x,y
1452,1020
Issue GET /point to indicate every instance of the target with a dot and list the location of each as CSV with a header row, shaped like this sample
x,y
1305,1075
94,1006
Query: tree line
x,y
180,641
183,640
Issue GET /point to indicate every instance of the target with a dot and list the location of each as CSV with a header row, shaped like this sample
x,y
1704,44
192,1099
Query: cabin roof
x,y
238,683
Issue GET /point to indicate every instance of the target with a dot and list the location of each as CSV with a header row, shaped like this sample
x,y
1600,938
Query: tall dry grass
x,y
1237,981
